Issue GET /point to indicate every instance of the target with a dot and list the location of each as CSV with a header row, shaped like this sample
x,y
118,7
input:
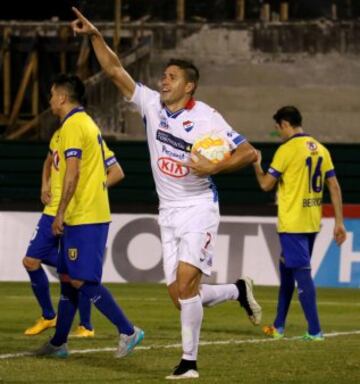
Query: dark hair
x,y
73,86
290,114
192,74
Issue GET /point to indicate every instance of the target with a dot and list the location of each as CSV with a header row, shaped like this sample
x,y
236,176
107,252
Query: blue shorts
x,y
44,245
82,251
297,249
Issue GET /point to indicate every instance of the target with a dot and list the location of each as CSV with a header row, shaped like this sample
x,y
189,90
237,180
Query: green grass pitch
x,y
232,350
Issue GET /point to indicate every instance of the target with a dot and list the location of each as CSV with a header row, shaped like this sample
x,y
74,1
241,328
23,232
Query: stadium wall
x,y
21,165
247,242
246,245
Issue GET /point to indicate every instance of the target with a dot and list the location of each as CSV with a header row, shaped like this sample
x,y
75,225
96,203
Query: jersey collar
x,y
72,112
298,135
189,105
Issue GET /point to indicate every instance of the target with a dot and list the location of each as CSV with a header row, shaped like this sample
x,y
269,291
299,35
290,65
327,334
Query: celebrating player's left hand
x,y
201,166
258,157
58,225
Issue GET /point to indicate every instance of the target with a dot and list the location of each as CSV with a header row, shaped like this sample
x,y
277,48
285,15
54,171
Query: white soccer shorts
x,y
188,234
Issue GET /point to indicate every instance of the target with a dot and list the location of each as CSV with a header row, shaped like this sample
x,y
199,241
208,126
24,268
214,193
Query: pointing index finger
x,y
78,14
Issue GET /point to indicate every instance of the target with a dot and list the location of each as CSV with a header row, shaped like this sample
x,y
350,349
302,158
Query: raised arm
x,y
107,58
336,200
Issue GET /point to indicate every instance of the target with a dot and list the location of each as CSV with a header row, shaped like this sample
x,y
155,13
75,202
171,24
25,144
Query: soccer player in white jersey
x,y
189,211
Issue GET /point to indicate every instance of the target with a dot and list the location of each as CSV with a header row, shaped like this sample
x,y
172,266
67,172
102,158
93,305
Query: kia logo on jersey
x,y
188,125
170,167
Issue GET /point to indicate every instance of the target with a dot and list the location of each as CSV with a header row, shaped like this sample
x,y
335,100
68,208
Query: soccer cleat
x,y
49,350
128,343
81,331
247,300
41,325
187,369
271,331
318,337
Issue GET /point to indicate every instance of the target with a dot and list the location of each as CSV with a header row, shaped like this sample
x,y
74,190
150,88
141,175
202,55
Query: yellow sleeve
x,y
328,166
109,155
279,162
72,141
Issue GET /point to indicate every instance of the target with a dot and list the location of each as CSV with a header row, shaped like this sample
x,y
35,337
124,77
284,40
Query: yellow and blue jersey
x,y
80,137
301,164
55,180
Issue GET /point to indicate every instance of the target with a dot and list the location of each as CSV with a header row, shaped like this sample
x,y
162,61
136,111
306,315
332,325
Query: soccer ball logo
x,y
213,147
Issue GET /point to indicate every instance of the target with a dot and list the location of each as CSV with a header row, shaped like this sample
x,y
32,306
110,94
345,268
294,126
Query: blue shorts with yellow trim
x,y
297,249
82,251
44,245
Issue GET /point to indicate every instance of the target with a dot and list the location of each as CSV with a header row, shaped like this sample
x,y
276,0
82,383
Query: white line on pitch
x,y
171,346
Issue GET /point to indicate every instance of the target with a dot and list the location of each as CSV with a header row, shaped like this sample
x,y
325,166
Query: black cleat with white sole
x,y
187,369
247,300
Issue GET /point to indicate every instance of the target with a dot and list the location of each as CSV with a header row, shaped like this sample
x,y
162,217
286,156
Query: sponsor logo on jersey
x,y
72,254
169,152
173,141
188,125
170,167
163,123
311,145
56,160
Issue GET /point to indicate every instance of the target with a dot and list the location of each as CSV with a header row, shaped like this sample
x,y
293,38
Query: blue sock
x,y
85,311
105,303
286,290
307,297
40,287
68,304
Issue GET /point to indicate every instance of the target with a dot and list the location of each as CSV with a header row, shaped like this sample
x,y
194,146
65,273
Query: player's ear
x,y
63,97
190,87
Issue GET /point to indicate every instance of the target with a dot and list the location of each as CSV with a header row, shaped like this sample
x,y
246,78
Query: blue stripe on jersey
x,y
110,161
330,173
145,122
212,186
238,139
73,152
175,114
274,172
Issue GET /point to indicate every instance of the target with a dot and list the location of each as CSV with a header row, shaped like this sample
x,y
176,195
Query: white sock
x,y
191,319
215,294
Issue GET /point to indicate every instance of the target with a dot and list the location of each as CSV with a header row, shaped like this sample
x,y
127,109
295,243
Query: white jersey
x,y
170,137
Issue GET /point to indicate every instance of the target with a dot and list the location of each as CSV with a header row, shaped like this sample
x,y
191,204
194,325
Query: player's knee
x,y
186,290
31,264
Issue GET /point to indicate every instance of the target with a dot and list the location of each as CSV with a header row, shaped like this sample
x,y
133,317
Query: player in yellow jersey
x,y
300,168
82,219
44,246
